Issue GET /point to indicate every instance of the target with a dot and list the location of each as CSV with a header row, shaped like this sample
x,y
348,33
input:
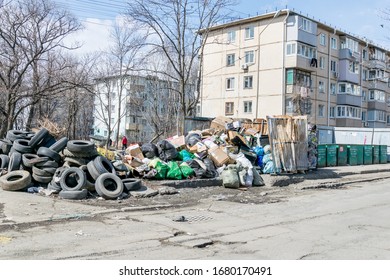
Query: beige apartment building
x,y
286,63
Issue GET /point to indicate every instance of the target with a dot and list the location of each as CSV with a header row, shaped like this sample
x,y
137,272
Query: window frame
x,y
333,43
249,54
229,108
231,36
321,110
323,39
248,82
230,83
248,106
249,32
228,56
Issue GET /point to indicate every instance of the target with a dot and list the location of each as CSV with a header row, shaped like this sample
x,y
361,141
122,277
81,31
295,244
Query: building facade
x,y
142,107
286,63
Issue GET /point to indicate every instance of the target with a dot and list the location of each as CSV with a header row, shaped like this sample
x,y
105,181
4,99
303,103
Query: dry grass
x,y
53,128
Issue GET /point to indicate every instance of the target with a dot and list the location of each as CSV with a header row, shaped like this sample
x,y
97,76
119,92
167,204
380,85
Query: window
x,y
250,57
298,77
388,120
331,112
377,95
322,62
353,67
323,39
105,133
248,81
291,48
365,56
364,116
306,25
247,106
376,115
230,59
231,36
230,83
321,109
333,88
347,88
321,87
333,66
364,74
364,95
349,112
333,43
249,32
229,108
306,51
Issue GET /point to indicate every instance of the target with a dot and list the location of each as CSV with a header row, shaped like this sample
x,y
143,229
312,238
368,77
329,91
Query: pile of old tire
x,y
15,180
107,184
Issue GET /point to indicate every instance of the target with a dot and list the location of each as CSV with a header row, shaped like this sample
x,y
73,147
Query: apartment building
x,y
286,63
141,108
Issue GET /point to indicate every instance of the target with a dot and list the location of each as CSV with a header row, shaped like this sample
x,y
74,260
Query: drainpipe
x,y
284,62
329,56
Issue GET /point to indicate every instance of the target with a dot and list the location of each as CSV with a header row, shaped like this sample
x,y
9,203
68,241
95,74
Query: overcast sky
x,y
363,18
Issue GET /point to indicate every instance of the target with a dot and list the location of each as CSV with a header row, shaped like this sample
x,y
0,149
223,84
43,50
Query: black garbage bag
x,y
149,150
192,139
166,151
211,172
198,166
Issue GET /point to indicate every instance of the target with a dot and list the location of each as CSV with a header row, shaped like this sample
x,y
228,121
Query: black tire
x,y
21,145
15,160
28,159
132,184
59,145
47,163
15,180
42,179
76,195
5,146
103,165
50,170
109,186
80,146
38,137
77,161
88,154
92,170
12,135
4,161
90,185
48,141
40,172
46,152
68,184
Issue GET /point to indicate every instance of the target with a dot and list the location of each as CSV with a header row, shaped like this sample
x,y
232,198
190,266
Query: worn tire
x,y
77,161
38,137
76,195
5,146
59,145
73,173
77,146
28,159
12,135
4,161
88,154
92,170
40,172
109,186
103,165
15,180
15,160
21,146
132,184
48,141
47,164
90,185
46,152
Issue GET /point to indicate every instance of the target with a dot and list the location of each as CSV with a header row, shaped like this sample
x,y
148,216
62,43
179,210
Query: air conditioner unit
x,y
366,124
244,66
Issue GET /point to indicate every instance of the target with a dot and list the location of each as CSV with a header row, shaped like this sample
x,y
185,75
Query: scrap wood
x,y
53,128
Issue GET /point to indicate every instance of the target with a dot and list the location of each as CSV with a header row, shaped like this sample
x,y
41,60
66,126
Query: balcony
x,y
376,105
297,61
349,99
376,64
381,85
347,122
348,54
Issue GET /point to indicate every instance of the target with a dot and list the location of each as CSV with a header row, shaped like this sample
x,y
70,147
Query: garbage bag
x,y
166,150
260,153
153,162
267,149
185,155
269,168
257,179
198,167
211,172
192,139
267,158
149,150
230,177
162,170
174,171
186,170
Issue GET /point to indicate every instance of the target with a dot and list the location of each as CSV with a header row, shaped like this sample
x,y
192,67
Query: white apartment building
x,y
286,63
143,100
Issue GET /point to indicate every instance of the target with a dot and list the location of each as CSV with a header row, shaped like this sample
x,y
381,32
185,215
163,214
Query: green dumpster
x,y
359,155
342,154
367,154
352,155
331,155
321,155
375,154
383,154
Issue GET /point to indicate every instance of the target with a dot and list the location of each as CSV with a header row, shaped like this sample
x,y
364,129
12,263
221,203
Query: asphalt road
x,y
350,222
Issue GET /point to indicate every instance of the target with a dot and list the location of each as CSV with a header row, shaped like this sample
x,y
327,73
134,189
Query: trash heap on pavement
x,y
236,151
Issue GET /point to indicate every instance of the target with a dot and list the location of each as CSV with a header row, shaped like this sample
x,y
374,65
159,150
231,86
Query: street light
x,y
277,13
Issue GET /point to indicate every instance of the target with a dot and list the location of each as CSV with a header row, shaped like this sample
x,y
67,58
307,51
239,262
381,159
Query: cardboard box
x,y
197,148
178,141
218,156
219,123
251,131
135,151
237,139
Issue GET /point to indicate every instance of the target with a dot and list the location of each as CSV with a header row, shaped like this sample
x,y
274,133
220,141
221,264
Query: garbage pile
x,y
229,149
71,168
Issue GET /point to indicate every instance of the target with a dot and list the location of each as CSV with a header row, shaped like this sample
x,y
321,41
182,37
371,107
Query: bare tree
x,y
29,31
174,26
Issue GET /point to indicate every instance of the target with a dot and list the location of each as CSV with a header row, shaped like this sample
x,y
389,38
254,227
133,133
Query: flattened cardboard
x,y
218,156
